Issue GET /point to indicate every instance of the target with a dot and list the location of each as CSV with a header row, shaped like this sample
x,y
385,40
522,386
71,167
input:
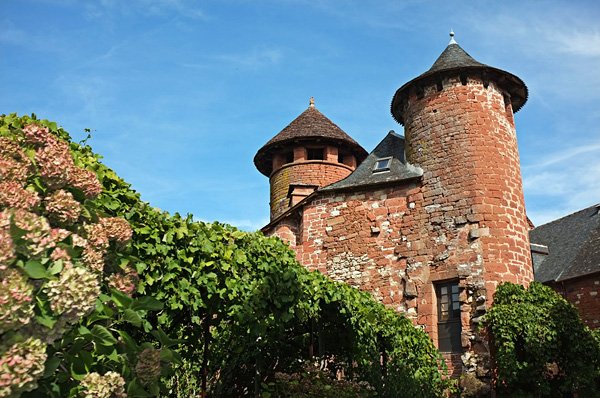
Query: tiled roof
x,y
573,246
391,146
312,126
455,60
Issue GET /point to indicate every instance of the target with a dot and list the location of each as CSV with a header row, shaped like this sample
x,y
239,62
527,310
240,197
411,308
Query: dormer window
x,y
382,164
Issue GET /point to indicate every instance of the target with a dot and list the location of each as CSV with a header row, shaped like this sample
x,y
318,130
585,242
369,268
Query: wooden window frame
x,y
448,314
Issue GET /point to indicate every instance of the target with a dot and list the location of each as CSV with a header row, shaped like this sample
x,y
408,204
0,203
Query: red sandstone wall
x,y
377,240
315,172
584,293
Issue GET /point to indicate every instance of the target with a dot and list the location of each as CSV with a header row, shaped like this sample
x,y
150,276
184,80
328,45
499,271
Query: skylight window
x,y
382,164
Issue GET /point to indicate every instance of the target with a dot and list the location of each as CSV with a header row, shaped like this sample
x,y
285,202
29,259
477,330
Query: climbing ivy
x,y
541,346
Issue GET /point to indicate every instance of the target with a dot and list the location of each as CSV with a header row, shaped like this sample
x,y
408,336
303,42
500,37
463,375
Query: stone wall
x,y
376,240
583,293
463,136
309,172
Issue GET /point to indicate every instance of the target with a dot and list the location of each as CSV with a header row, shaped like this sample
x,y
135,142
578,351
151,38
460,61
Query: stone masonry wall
x,y
375,240
313,172
584,294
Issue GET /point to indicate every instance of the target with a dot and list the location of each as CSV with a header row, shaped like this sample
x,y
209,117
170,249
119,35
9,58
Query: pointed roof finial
x,y
311,102
452,41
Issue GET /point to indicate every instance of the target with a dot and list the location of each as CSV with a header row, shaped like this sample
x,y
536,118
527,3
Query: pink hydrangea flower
x,y
37,135
86,181
7,248
13,170
74,294
116,228
147,368
111,385
9,148
22,364
79,241
12,194
93,259
55,163
39,235
60,254
96,236
16,308
62,207
124,282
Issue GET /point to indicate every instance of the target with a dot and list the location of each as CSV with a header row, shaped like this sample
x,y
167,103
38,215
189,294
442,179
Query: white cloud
x,y
558,44
581,43
565,155
563,182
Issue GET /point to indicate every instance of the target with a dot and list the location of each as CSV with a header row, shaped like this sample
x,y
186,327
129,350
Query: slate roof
x,y
573,246
399,170
312,126
453,57
455,60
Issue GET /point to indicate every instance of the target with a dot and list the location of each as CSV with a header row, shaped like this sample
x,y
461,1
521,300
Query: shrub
x,y
541,346
64,314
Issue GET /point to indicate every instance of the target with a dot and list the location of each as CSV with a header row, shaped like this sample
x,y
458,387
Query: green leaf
x,y
135,389
120,299
103,336
56,267
35,270
166,340
132,317
147,303
129,341
45,320
84,331
51,365
78,371
168,355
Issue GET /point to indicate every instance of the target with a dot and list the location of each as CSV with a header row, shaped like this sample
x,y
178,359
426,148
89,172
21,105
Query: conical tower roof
x,y
310,126
452,61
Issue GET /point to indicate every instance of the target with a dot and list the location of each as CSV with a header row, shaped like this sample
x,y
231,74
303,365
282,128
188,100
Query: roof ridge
x,y
571,215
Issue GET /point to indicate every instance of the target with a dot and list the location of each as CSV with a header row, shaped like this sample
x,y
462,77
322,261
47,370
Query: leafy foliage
x,y
67,311
541,346
232,308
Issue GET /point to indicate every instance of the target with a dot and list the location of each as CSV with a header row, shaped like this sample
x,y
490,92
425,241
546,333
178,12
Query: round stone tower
x,y
459,128
311,152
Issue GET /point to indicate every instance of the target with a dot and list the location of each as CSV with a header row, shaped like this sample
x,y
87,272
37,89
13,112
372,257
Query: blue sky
x,y
180,94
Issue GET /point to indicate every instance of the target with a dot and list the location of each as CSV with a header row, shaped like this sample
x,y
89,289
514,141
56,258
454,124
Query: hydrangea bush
x,y
67,282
